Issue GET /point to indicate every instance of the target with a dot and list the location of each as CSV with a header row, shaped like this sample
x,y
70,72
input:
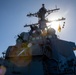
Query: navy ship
x,y
40,51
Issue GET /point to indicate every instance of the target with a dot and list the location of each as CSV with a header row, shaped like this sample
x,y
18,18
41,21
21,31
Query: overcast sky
x,y
13,18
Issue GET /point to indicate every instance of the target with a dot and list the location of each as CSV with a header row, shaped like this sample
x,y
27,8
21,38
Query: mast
x,y
41,14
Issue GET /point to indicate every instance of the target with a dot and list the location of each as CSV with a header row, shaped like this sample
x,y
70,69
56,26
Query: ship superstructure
x,y
40,51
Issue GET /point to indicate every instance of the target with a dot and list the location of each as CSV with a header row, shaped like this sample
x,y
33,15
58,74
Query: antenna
x,y
56,6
